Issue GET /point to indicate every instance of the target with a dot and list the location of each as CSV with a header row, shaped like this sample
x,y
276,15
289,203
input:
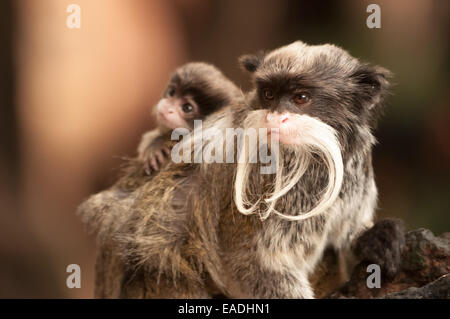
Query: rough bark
x,y
423,273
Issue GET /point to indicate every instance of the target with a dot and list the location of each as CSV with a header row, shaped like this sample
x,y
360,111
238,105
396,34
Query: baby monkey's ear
x,y
251,62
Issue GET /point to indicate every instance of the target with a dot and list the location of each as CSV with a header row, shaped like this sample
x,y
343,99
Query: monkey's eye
x,y
187,108
301,98
268,94
171,92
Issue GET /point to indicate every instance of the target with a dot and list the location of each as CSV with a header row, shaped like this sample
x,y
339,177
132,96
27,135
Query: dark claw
x,y
166,151
147,168
160,157
154,163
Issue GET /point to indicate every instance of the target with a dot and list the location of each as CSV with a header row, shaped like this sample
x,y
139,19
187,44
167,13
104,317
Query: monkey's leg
x,y
109,270
331,273
105,212
133,285
251,278
143,283
281,285
382,244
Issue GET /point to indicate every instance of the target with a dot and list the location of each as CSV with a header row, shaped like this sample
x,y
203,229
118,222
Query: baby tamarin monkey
x,y
195,90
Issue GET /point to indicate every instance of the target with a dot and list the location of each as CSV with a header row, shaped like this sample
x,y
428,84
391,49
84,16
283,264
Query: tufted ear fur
x,y
373,86
374,83
251,62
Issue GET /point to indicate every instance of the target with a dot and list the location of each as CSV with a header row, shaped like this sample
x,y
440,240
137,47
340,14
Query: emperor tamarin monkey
x,y
195,90
197,224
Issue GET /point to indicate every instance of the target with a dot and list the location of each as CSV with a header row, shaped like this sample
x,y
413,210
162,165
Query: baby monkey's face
x,y
176,110
195,90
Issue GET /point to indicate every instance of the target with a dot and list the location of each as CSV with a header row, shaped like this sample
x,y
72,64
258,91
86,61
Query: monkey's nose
x,y
284,118
275,119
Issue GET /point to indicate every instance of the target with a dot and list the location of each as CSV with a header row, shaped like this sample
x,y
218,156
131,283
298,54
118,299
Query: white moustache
x,y
313,137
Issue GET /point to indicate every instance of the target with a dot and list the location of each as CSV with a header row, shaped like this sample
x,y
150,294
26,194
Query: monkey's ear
x,y
373,82
251,62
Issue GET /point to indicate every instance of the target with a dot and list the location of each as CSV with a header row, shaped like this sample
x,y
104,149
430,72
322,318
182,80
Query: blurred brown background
x,y
74,100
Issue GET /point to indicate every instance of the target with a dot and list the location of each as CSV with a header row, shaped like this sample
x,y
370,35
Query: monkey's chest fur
x,y
284,247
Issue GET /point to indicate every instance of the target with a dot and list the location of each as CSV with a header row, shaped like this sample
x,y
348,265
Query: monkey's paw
x,y
383,244
155,158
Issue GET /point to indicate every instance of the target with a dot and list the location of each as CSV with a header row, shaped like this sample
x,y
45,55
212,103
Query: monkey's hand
x,y
153,150
155,157
382,244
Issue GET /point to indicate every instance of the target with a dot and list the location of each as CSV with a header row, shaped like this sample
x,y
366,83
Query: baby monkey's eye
x,y
171,92
302,98
268,94
187,108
